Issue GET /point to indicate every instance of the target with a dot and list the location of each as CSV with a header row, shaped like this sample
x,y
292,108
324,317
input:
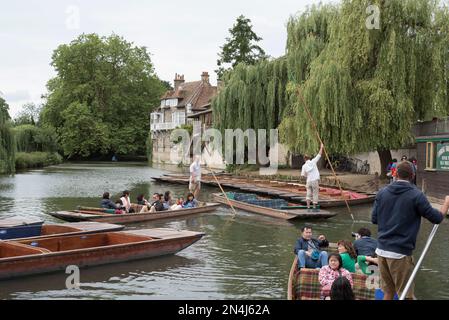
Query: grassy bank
x,y
36,160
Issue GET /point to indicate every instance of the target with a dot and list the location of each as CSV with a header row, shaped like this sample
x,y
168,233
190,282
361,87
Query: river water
x,y
243,257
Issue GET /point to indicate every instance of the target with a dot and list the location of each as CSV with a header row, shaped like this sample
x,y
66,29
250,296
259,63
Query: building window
x,y
430,155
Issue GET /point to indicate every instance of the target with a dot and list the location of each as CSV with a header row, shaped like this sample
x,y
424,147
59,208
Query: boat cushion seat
x,y
307,286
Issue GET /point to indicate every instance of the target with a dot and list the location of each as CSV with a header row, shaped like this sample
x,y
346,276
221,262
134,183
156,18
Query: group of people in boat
x,y
351,258
159,202
397,212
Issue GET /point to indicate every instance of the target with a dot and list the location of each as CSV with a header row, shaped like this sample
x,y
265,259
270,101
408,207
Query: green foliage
x,y
82,133
7,144
36,159
253,97
241,47
107,87
31,138
365,88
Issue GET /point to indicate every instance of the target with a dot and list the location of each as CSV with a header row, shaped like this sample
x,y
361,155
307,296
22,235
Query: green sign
x,y
443,157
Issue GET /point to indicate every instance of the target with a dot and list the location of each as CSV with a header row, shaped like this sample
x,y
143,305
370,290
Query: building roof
x,y
197,114
197,93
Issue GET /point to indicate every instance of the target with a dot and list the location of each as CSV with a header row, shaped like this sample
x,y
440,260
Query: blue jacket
x,y
365,246
301,244
397,211
107,204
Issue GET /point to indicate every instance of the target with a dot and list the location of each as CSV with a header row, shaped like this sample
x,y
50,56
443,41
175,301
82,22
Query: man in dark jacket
x,y
308,250
397,211
364,245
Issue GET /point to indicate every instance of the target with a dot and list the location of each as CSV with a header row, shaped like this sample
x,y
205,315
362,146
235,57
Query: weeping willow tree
x,y
7,147
253,97
366,88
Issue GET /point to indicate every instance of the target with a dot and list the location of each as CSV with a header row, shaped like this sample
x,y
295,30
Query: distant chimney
x,y
205,77
179,79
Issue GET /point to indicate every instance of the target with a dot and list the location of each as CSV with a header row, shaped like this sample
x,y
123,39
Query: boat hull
x,y
14,267
299,214
132,217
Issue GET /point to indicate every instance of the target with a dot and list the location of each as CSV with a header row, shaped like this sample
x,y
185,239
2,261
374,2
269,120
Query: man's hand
x,y
445,206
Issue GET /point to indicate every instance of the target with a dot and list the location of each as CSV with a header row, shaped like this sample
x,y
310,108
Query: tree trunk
x,y
385,159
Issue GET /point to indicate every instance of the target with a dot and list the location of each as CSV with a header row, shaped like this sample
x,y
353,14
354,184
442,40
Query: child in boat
x,y
178,204
348,255
191,202
329,273
107,203
341,289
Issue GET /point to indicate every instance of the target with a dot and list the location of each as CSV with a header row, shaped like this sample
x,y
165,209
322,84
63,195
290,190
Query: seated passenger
x,y
119,208
308,250
191,202
329,273
365,248
107,203
142,201
168,202
348,256
178,204
158,204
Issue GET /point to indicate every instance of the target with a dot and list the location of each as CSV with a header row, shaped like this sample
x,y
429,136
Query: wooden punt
x,y
26,257
81,215
74,228
304,285
291,191
275,213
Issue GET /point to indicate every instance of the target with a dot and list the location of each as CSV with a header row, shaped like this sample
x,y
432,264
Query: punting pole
x,y
218,182
418,264
325,152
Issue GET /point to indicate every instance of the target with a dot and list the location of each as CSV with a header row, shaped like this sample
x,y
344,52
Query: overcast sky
x,y
183,36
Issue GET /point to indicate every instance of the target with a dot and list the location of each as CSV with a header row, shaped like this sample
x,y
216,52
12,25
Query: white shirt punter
x,y
195,171
310,169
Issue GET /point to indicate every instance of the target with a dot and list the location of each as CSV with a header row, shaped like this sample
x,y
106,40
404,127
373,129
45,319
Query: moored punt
x,y
19,227
329,196
304,285
92,215
26,257
74,228
286,214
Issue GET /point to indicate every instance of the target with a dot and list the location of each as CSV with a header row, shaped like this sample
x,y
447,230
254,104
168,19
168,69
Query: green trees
x,y
7,147
367,88
100,100
241,47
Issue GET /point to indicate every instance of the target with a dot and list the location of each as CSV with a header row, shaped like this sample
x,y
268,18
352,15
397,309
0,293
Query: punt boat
x,y
34,256
276,208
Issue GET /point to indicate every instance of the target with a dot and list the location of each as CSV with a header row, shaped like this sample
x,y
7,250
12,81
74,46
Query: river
x,y
242,257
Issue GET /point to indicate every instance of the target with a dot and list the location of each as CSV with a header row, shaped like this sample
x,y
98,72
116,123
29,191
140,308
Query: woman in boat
x,y
191,202
348,255
106,202
119,208
341,289
332,271
127,201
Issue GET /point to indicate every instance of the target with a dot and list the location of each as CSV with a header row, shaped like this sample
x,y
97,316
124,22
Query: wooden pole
x,y
325,152
218,182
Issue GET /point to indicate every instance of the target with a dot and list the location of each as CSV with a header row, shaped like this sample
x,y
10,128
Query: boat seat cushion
x,y
307,286
268,203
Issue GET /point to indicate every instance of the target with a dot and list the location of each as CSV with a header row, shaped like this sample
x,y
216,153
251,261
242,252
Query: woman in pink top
x,y
332,271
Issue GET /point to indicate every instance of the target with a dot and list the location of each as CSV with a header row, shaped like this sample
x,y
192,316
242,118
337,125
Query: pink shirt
x,y
327,276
